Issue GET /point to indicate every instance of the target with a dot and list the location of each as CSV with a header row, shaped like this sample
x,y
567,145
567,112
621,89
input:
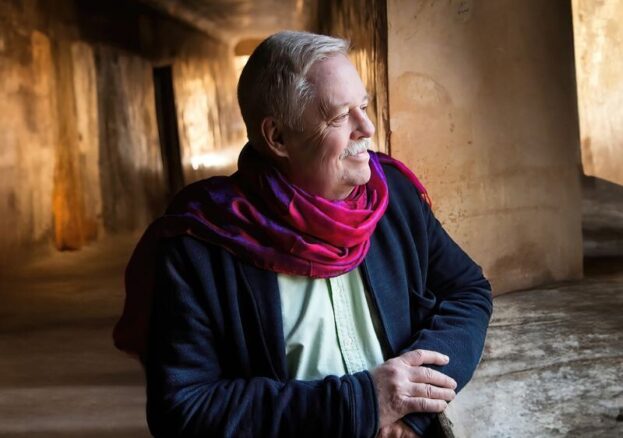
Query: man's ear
x,y
273,136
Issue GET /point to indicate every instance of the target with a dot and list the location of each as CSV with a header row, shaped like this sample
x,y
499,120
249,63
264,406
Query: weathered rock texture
x,y
79,146
482,107
552,365
28,130
598,30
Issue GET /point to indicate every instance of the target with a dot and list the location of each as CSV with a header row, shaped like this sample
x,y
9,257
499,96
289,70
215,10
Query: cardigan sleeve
x,y
461,315
189,393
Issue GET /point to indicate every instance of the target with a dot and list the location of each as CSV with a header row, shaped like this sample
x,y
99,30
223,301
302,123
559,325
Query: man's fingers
x,y
424,357
403,385
422,404
426,390
428,375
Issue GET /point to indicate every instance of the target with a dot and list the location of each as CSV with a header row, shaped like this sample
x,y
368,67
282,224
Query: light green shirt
x,y
328,325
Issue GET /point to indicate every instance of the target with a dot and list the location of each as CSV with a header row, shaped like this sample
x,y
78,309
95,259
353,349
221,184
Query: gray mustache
x,y
354,147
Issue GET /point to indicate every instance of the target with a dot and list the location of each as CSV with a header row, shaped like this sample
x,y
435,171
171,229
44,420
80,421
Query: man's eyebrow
x,y
327,105
366,98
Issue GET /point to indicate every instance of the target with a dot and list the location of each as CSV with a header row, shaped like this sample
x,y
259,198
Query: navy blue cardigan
x,y
215,363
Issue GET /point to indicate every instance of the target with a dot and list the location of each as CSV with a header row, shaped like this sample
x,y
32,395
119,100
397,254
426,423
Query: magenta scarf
x,y
258,216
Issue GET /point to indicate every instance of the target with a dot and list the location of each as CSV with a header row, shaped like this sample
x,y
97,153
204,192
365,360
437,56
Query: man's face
x,y
329,157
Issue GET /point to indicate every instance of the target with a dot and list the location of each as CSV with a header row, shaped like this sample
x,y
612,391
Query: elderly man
x,y
311,293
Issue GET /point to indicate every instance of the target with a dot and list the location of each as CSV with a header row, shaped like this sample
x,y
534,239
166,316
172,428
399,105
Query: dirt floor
x,y
60,375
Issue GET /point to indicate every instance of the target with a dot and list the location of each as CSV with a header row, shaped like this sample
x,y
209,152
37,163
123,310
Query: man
x,y
312,293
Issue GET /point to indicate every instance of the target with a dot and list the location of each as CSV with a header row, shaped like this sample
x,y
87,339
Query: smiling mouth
x,y
357,153
359,156
357,149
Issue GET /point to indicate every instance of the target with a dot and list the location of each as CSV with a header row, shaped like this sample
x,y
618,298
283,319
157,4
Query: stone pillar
x,y
483,108
71,226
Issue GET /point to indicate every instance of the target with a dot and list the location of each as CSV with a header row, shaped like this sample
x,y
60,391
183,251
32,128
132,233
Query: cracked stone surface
x,y
553,365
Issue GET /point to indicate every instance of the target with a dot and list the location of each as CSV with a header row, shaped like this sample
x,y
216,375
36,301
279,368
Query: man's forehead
x,y
337,84
333,70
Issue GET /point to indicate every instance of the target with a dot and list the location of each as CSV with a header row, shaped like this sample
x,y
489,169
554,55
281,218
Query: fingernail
x,y
446,358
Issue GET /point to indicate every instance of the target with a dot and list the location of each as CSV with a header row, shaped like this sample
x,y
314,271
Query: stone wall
x,y
598,30
211,129
29,130
483,108
130,162
79,146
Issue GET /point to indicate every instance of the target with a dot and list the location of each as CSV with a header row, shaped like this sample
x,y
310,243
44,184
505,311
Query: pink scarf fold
x,y
258,216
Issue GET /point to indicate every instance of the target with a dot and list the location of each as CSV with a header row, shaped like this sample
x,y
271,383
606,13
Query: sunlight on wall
x,y
216,159
599,72
239,63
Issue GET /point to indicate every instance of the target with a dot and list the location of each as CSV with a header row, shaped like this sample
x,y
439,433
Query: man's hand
x,y
397,430
404,386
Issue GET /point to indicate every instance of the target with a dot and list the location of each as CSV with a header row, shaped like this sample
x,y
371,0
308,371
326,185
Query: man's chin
x,y
361,178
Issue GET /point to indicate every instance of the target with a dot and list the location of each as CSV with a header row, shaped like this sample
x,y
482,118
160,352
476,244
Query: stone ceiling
x,y
234,20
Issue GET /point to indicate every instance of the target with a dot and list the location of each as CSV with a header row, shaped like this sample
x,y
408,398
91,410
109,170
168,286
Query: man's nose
x,y
364,127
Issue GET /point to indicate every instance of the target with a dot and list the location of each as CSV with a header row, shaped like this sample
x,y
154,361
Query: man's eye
x,y
340,118
364,108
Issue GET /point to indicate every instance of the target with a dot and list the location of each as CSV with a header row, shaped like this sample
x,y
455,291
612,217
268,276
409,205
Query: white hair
x,y
274,80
